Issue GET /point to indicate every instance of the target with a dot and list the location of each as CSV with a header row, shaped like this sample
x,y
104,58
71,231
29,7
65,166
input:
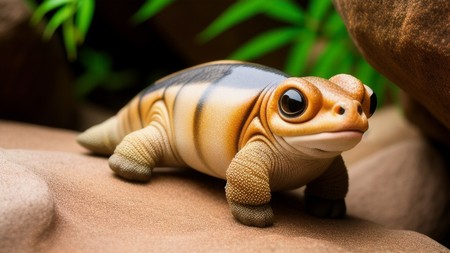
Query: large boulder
x,y
409,43
55,198
406,186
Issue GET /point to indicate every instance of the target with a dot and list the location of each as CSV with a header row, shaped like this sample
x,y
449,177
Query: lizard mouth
x,y
326,142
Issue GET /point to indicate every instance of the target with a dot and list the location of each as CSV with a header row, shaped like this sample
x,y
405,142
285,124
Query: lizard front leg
x,y
248,189
139,152
324,197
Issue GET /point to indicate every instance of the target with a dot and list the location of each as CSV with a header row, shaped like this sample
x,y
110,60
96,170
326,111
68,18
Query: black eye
x,y
373,103
292,103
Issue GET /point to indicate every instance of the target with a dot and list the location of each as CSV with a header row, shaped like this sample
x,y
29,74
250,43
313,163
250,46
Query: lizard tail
x,y
102,138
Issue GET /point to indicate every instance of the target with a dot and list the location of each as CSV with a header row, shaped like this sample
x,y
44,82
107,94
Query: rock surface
x,y
409,43
68,201
404,186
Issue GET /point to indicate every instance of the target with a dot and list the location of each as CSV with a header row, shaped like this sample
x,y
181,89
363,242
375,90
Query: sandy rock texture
x,y
409,43
55,197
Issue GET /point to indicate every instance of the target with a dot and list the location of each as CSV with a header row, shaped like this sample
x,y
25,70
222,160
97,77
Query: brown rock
x,y
26,207
179,210
404,186
409,43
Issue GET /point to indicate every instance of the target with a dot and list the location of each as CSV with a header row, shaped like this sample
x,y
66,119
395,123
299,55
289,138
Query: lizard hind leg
x,y
324,197
139,152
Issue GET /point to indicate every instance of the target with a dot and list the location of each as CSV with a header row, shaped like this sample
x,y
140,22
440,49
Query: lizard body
x,y
251,125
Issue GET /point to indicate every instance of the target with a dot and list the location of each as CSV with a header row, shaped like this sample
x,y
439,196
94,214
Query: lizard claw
x,y
129,169
257,216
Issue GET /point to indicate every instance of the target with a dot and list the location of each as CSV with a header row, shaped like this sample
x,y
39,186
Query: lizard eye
x,y
292,103
373,103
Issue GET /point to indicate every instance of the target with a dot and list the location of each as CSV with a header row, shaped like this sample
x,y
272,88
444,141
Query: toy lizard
x,y
254,126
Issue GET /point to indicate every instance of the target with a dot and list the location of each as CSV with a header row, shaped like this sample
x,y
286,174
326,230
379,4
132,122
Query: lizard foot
x,y
129,169
325,208
256,216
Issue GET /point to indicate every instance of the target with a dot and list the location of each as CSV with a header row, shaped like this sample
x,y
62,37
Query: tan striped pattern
x,y
211,111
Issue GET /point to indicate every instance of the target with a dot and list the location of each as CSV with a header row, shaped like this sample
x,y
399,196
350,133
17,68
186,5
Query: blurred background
x,y
71,63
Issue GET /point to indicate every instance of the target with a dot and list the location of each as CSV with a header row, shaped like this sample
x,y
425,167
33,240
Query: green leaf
x,y
96,63
117,81
69,39
345,65
298,57
46,7
85,84
284,10
149,9
84,17
265,43
98,67
330,57
364,71
236,13
60,17
318,8
334,26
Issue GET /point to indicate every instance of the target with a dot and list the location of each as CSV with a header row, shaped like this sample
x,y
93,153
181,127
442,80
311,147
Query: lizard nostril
x,y
341,110
360,110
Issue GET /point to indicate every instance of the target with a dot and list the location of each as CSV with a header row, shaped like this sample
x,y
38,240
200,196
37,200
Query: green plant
x,y
73,15
98,72
317,39
149,9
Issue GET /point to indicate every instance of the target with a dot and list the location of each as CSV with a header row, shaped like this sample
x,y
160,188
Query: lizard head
x,y
320,117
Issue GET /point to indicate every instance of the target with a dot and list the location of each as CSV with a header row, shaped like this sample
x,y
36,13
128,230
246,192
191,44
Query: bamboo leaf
x,y
149,9
318,8
85,84
97,63
98,67
299,55
45,7
117,81
284,10
236,13
364,71
265,43
69,39
60,17
330,57
345,65
334,26
84,17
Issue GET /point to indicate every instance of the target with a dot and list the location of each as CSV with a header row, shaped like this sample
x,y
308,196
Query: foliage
x,y
316,37
149,9
73,15
99,73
